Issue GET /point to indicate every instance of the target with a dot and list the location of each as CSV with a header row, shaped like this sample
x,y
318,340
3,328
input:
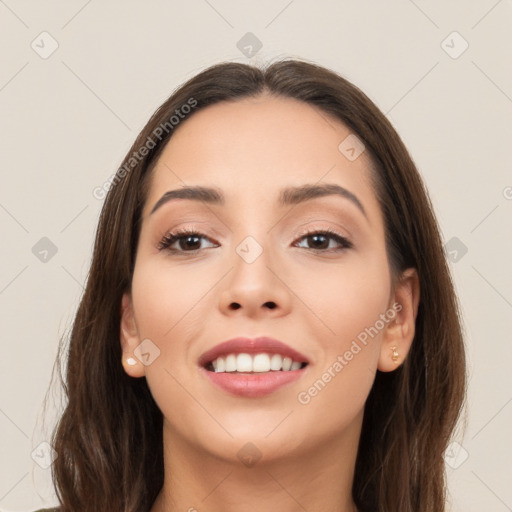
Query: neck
x,y
316,480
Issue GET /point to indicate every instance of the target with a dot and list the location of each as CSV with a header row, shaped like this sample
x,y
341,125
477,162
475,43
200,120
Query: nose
x,y
256,286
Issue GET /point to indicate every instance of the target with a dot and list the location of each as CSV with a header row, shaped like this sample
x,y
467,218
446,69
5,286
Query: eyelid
x,y
319,225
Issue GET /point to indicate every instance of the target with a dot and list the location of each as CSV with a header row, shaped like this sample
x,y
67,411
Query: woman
x,y
269,321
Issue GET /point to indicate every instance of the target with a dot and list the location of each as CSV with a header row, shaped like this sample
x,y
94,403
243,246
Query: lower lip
x,y
253,385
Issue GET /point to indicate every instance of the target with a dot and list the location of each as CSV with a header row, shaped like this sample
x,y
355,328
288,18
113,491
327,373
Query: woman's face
x,y
254,268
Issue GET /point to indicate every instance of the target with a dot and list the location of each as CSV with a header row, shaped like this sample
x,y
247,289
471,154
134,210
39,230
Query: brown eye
x,y
187,241
320,240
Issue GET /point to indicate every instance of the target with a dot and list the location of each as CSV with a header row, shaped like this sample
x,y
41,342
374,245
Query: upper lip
x,y
262,344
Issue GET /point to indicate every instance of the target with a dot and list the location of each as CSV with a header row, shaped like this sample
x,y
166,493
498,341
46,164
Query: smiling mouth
x,y
254,363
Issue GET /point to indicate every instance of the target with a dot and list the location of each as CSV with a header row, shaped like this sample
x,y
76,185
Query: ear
x,y
399,332
130,339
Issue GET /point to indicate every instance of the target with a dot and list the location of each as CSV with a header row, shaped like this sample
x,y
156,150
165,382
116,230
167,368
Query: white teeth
x,y
244,363
261,363
258,363
230,363
287,364
276,362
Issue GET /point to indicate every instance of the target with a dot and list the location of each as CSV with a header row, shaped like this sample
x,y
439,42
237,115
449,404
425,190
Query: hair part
x,y
109,438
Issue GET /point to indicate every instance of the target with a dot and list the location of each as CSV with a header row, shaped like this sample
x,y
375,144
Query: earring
x,y
395,354
131,361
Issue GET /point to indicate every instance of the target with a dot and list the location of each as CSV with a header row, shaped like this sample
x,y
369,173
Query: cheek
x,y
170,306
351,304
344,298
167,298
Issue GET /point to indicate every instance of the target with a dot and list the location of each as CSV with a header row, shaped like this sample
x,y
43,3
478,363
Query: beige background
x,y
67,120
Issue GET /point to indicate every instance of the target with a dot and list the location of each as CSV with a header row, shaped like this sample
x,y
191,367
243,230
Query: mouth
x,y
252,367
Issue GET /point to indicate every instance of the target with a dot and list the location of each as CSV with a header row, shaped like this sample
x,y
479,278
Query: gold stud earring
x,y
395,354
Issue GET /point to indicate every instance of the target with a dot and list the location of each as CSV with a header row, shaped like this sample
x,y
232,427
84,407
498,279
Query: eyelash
x,y
172,237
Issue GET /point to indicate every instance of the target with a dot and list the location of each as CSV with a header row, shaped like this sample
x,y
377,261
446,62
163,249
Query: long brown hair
x,y
109,437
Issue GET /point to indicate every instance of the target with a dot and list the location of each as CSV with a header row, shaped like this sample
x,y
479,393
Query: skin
x,y
322,300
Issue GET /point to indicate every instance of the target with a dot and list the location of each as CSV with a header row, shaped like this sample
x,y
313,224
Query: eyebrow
x,y
288,196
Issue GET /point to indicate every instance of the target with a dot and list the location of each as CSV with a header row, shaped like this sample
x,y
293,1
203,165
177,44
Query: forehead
x,y
255,146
